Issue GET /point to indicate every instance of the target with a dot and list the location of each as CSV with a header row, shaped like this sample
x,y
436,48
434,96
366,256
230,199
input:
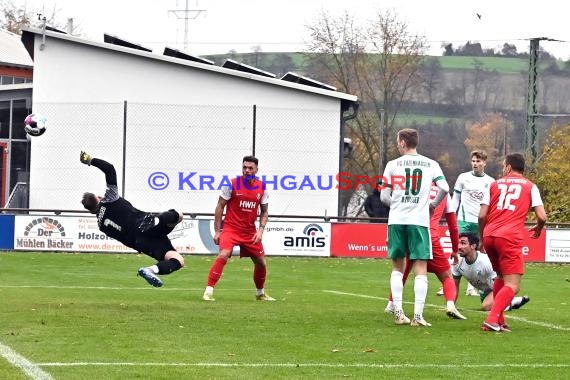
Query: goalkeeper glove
x,y
85,158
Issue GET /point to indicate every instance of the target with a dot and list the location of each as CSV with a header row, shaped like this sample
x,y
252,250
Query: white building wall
x,y
180,119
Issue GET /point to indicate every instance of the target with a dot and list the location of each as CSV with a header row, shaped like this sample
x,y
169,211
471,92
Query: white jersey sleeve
x,y
265,197
226,192
486,200
449,205
536,200
455,269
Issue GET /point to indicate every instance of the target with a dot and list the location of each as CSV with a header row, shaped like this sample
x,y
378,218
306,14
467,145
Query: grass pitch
x,y
87,316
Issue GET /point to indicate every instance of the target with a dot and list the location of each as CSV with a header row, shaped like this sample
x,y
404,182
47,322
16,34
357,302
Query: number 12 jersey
x,y
509,198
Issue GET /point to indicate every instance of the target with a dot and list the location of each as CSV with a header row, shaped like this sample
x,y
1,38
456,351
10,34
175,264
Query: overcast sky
x,y
216,26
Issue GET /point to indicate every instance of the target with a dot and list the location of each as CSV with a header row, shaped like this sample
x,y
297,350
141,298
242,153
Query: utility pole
x,y
531,110
187,14
382,153
531,143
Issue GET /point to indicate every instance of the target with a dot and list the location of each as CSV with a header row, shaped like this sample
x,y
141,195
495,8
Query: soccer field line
x,y
520,319
32,370
297,365
73,287
542,324
147,288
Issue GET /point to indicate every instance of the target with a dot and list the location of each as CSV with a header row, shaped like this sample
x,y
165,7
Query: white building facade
x,y
175,130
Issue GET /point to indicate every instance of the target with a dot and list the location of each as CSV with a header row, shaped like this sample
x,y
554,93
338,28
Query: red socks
x,y
259,274
497,286
449,290
500,303
216,271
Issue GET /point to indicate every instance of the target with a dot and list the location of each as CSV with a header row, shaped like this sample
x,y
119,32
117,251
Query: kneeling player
x,y
477,269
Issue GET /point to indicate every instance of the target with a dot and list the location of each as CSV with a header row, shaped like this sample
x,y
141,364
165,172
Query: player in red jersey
x,y
242,201
504,210
439,264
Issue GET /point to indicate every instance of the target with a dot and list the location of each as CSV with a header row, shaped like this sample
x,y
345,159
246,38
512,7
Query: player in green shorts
x,y
407,185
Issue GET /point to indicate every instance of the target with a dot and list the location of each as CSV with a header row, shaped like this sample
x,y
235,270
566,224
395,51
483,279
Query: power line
x,y
497,40
187,14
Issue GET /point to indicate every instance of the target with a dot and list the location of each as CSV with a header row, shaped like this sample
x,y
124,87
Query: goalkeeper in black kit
x,y
142,231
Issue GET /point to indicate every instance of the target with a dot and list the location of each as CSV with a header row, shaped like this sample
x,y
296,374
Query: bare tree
x,y
14,18
378,61
395,68
281,64
432,73
257,55
339,54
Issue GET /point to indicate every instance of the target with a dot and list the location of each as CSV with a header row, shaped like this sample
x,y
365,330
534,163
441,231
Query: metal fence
x,y
194,146
140,139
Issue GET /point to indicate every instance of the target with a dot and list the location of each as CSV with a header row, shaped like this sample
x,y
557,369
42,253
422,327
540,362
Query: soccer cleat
x,y
389,308
150,277
208,297
420,322
505,328
488,326
452,312
264,297
147,223
439,292
524,300
401,319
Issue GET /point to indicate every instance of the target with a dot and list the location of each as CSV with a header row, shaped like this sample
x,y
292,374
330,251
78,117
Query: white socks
x,y
209,290
420,290
397,288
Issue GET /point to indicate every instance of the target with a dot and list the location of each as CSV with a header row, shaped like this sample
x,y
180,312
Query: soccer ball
x,y
35,124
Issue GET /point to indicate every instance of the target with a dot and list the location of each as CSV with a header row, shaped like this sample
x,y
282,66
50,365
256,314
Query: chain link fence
x,y
178,156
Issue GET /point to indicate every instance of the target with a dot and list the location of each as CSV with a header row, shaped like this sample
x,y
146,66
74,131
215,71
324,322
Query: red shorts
x,y
230,239
505,255
440,261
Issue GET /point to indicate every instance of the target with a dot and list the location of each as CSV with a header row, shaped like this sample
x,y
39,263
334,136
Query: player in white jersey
x,y
476,268
468,192
407,185
467,195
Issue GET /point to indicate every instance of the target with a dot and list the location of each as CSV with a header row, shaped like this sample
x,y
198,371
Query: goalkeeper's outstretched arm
x,y
104,166
108,169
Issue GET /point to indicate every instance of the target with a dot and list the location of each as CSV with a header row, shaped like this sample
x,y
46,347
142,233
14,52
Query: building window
x,y
7,79
19,112
4,119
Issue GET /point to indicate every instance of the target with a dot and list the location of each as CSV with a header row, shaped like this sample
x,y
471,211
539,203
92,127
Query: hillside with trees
x,y
458,102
